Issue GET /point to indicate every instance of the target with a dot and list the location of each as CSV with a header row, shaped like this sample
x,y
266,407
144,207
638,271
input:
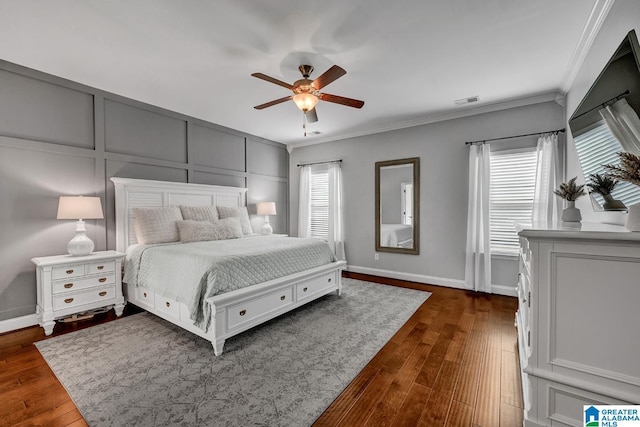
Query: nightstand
x,y
73,284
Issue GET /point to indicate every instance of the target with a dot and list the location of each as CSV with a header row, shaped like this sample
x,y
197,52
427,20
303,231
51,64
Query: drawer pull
x,y
243,312
103,293
68,300
102,279
168,304
69,271
304,289
329,280
145,294
68,285
100,267
282,298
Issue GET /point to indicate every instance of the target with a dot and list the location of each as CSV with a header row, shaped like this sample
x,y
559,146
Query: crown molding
x,y
449,115
591,29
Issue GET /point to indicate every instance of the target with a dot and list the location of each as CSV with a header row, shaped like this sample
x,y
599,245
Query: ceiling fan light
x,y
305,101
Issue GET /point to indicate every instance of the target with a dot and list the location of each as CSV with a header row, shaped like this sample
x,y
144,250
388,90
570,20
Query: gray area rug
x,y
144,371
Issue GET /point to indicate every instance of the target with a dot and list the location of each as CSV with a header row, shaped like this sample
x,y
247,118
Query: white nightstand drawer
x,y
83,283
100,267
312,287
70,270
246,312
81,298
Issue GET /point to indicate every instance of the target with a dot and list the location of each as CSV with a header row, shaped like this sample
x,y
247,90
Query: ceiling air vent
x,y
465,101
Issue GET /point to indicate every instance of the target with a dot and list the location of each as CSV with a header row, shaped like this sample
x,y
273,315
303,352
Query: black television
x,y
617,86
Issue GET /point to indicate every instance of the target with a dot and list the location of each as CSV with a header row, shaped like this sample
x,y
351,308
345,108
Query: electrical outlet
x,y
376,257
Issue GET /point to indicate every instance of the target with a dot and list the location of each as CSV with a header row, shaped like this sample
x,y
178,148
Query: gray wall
x,y
61,138
444,181
622,18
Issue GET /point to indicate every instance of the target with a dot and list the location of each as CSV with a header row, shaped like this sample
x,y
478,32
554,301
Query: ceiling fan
x,y
306,92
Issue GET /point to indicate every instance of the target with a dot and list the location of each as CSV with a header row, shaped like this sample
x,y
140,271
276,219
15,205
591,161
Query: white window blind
x,y
513,175
599,147
319,182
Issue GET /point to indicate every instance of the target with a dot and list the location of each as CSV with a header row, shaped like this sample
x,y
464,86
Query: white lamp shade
x,y
305,101
266,208
79,207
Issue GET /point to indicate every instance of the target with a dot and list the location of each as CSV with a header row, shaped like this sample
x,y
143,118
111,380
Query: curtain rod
x,y
604,104
482,141
320,163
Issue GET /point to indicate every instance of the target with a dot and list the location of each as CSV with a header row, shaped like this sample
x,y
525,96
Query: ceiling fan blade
x,y
312,115
341,100
274,102
328,76
272,80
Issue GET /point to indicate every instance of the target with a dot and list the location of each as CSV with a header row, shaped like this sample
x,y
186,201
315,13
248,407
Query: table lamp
x,y
266,209
80,208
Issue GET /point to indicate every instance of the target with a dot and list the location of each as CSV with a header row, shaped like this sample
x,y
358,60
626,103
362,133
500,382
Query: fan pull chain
x,y
304,123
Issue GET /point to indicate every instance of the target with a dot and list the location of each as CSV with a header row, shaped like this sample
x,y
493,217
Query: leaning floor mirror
x,y
398,206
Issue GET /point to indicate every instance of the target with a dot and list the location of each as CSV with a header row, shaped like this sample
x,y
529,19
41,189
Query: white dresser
x,y
73,284
578,320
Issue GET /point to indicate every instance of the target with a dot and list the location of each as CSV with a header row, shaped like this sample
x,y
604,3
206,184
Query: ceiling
x,y
407,59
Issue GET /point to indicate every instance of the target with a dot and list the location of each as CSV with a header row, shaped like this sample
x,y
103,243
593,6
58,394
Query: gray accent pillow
x,y
199,213
156,225
200,231
237,212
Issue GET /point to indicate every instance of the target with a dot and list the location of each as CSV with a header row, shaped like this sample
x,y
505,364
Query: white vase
x,y
633,218
571,213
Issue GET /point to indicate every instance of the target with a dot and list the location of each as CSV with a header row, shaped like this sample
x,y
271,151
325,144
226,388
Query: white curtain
x,y
546,205
478,253
336,216
304,203
624,124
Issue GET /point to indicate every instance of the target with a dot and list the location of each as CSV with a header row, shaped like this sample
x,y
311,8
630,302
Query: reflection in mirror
x,y
397,205
606,121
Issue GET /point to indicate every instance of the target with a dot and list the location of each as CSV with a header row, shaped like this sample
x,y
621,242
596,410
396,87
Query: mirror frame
x,y
415,161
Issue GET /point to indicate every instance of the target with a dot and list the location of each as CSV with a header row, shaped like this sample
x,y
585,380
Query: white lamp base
x,y
80,244
266,228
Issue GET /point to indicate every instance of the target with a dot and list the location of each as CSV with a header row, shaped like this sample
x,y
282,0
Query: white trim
x,y
509,291
429,280
18,323
411,277
438,117
591,29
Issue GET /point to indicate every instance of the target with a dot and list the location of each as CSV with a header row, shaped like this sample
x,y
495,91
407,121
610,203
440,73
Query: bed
x,y
396,235
225,314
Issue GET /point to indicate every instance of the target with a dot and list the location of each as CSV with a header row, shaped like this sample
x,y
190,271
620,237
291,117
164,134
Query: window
x,y
513,176
598,147
319,194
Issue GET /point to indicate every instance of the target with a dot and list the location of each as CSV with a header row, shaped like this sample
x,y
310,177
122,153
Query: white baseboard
x,y
429,280
18,323
510,291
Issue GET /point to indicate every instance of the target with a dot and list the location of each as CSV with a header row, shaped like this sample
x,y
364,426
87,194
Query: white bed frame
x,y
232,312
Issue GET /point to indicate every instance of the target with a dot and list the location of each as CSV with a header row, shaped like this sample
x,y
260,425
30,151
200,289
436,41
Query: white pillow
x,y
199,213
156,225
199,231
237,212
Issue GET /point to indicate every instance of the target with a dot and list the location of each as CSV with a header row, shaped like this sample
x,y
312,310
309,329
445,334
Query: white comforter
x,y
395,235
192,272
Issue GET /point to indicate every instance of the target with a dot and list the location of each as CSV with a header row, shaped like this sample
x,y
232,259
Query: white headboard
x,y
139,193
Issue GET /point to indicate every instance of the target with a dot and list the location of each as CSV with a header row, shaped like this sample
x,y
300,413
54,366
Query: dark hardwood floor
x,y
454,363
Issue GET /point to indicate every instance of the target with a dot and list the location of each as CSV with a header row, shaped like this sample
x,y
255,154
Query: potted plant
x,y
604,185
570,191
628,170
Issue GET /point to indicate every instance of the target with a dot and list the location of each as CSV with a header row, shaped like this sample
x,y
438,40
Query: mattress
x,y
192,272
